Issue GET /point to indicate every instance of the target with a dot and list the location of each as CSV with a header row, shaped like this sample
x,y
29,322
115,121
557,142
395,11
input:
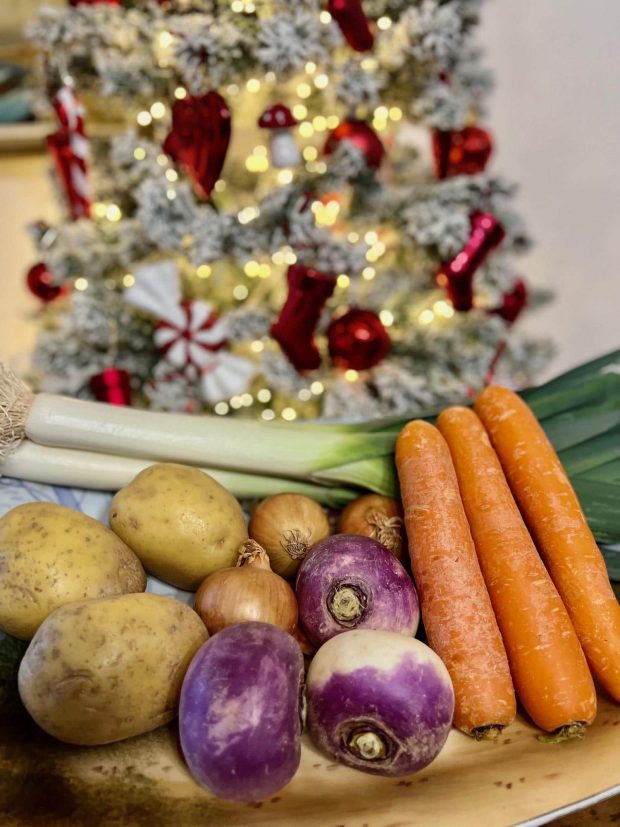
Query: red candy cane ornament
x,y
457,276
69,149
308,290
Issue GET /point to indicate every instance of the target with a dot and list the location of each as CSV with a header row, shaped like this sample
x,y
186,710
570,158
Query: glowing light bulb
x,y
246,399
368,273
289,414
253,85
221,408
386,317
165,40
306,130
220,185
310,67
317,388
240,292
203,271
351,375
395,113
171,175
128,280
371,237
332,121
304,90
319,123
180,92
285,176
113,212
384,23
300,111
310,153
321,81
305,394
81,284
170,194
426,316
343,280
263,395
325,17
144,118
268,415
158,110
257,346
139,154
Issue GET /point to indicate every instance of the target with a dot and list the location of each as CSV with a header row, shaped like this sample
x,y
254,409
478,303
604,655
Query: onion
x,y
377,517
287,526
249,591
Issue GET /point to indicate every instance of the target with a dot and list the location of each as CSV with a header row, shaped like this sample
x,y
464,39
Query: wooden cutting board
x,y
143,781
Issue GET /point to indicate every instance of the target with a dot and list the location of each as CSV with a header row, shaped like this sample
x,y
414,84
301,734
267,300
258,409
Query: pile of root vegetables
x,y
296,626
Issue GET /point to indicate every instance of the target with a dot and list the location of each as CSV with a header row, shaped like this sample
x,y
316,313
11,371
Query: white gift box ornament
x,y
189,333
282,147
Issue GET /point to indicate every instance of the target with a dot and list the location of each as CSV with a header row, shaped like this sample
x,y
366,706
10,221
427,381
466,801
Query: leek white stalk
x,y
281,449
106,472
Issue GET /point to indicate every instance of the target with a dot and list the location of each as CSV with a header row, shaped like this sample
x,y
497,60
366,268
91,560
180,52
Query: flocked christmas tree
x,y
286,211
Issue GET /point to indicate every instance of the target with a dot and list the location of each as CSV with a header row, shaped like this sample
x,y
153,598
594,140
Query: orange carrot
x,y
548,666
554,517
456,609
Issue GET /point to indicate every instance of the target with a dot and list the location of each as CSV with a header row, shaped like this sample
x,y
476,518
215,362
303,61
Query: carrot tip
x,y
569,732
487,733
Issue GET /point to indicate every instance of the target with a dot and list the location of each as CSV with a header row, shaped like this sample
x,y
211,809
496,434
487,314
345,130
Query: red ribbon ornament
x,y
199,138
513,302
308,290
457,276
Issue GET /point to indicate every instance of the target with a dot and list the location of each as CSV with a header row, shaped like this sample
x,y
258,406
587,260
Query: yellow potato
x,y
51,555
181,523
102,670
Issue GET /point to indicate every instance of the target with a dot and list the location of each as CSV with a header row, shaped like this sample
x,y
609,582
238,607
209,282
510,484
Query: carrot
x,y
554,517
548,666
456,609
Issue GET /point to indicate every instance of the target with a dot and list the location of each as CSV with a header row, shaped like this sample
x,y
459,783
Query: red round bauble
x,y
353,23
41,283
361,135
112,385
199,137
357,339
461,151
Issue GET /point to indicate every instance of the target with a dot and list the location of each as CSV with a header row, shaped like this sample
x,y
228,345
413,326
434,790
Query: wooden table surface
x,y
25,196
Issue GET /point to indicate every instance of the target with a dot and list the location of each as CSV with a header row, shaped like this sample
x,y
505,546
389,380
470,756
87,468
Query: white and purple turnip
x,y
240,715
378,701
351,582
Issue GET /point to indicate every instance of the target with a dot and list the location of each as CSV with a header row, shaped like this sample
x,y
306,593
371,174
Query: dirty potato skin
x,y
99,671
51,555
181,523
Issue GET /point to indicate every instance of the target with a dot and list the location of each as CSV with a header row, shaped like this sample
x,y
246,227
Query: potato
x,y
51,555
102,670
181,523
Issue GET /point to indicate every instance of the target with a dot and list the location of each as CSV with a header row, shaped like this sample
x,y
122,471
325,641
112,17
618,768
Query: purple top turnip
x,y
240,712
351,582
379,701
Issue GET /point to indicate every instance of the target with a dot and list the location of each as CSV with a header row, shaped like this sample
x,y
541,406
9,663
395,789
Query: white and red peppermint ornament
x,y
190,335
69,149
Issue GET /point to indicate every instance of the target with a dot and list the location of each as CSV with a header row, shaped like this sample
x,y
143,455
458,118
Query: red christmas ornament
x,y
461,151
513,303
199,138
69,149
353,23
361,135
308,290
41,283
112,385
357,340
457,276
